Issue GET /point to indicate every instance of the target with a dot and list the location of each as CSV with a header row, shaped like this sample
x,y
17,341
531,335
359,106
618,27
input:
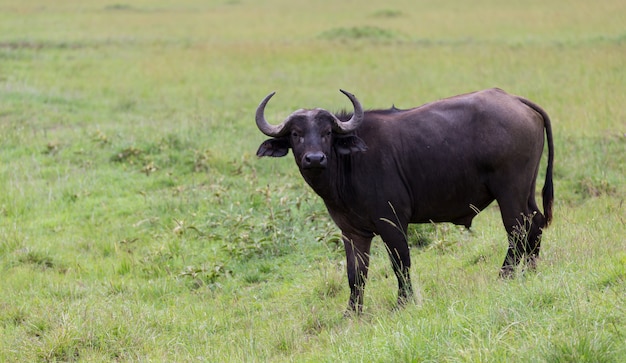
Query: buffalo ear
x,y
349,144
273,147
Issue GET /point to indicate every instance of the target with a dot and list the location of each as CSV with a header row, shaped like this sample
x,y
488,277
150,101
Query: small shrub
x,y
119,7
329,287
420,235
582,350
128,155
360,32
36,258
204,275
615,276
320,320
387,13
591,187
202,161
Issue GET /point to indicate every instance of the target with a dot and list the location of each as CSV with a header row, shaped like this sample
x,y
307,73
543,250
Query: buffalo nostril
x,y
315,160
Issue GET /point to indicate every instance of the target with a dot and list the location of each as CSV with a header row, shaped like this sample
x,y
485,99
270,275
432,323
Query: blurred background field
x,y
136,224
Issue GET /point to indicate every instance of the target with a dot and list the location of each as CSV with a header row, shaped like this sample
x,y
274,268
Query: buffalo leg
x,y
401,261
394,237
357,264
521,218
534,237
513,254
524,236
515,216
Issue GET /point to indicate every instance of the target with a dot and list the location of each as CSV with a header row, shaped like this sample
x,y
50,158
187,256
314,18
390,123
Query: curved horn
x,y
263,125
355,121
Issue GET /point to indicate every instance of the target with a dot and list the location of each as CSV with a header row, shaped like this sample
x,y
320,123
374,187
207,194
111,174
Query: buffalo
x,y
445,161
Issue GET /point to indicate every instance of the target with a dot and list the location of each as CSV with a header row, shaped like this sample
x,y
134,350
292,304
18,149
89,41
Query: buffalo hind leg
x,y
394,237
533,245
357,265
514,253
524,236
516,218
401,263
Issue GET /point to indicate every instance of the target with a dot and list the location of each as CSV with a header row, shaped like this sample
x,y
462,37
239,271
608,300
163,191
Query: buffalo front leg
x,y
357,264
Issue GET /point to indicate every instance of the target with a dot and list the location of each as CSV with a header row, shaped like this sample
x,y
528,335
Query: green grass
x,y
136,224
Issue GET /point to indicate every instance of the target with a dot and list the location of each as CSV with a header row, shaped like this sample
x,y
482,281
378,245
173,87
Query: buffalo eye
x,y
296,136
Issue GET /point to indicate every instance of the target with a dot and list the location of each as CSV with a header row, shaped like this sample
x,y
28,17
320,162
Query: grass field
x,y
136,224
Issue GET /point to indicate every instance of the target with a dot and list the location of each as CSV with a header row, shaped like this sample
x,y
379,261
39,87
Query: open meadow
x,y
137,224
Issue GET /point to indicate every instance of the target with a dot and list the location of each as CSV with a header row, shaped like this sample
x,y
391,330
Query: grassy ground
x,y
136,224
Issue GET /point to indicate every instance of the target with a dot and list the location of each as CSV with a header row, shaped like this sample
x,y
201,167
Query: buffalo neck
x,y
332,184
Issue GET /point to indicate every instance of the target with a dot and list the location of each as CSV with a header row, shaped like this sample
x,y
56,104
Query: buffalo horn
x,y
354,122
339,126
263,125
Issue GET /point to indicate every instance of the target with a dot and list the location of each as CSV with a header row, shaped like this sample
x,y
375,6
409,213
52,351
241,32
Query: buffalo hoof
x,y
507,272
353,310
349,313
404,301
531,263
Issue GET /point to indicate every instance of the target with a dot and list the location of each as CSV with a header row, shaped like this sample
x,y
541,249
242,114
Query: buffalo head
x,y
314,135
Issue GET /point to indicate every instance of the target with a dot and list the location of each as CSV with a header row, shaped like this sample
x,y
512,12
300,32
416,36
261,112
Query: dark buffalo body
x,y
377,171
